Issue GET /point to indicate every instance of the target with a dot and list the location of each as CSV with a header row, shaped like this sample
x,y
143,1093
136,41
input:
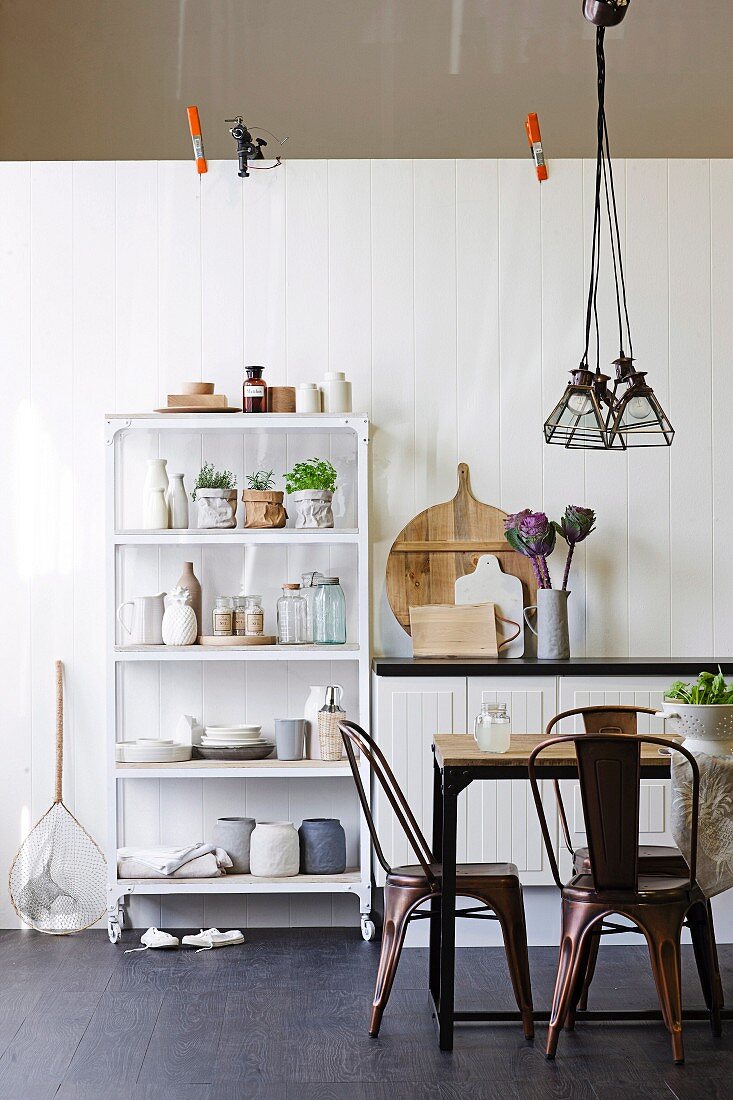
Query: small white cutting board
x,y
487,584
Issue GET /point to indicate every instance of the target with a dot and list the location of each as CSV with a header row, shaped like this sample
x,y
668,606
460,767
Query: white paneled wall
x,y
451,292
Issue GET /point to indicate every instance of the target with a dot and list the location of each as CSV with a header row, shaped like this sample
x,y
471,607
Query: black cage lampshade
x,y
578,421
637,420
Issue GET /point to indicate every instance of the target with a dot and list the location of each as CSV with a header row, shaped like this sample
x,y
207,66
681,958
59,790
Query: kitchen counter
x,y
672,667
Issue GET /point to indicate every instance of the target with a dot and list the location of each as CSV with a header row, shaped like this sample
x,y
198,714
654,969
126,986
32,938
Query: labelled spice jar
x,y
254,617
254,391
223,616
239,625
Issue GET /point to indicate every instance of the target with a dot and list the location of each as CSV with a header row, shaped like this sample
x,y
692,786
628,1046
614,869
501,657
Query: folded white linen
x,y
165,858
211,865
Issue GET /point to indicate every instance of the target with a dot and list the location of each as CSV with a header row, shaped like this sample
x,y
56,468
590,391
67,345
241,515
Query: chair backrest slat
x,y
609,771
354,735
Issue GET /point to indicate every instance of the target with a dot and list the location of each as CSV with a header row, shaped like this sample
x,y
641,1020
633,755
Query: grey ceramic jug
x,y
553,640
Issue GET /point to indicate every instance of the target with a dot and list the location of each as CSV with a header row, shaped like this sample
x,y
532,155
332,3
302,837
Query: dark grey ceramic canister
x,y
322,846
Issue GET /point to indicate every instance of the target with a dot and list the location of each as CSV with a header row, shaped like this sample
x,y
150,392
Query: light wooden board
x,y
455,750
422,576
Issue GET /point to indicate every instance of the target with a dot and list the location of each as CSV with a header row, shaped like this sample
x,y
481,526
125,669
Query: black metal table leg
x,y
434,921
448,914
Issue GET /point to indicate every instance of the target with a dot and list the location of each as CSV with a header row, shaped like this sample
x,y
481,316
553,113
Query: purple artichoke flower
x,y
531,533
574,527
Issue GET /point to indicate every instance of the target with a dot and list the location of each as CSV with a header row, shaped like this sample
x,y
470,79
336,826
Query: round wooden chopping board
x,y
444,543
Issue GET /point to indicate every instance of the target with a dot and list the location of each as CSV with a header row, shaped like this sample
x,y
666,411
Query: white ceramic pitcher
x,y
313,704
146,627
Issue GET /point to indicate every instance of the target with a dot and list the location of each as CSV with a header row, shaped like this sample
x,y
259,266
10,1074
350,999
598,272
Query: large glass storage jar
x,y
492,728
309,591
291,616
329,613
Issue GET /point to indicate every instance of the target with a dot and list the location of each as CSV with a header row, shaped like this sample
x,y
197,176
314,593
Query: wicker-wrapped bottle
x,y
329,716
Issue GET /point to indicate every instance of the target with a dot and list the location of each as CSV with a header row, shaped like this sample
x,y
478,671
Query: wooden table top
x,y
459,750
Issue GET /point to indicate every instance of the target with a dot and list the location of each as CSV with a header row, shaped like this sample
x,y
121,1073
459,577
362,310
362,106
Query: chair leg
x,y
662,927
398,905
584,976
510,911
700,921
577,920
595,943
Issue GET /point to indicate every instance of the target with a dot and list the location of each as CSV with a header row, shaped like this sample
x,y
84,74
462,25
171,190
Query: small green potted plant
x,y
263,504
702,713
215,497
311,485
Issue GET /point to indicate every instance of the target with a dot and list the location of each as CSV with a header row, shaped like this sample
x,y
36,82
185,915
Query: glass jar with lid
x,y
291,616
238,618
309,590
329,612
223,616
492,728
254,617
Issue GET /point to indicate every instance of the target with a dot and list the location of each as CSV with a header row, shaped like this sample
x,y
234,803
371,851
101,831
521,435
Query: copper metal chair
x,y
495,885
654,859
609,771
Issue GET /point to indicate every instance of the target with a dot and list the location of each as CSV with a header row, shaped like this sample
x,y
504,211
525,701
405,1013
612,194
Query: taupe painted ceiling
x,y
109,79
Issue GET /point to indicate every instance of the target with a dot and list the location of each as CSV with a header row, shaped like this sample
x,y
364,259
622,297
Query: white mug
x,y
147,619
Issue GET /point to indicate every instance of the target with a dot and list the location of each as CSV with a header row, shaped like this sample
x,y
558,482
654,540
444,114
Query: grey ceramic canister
x,y
322,846
233,834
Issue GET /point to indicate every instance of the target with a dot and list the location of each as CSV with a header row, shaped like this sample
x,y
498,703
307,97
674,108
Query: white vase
x,y
179,620
156,479
313,508
177,501
156,511
274,850
314,702
336,392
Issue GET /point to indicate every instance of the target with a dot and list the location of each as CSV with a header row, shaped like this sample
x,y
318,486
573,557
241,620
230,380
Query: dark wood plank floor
x,y
284,1017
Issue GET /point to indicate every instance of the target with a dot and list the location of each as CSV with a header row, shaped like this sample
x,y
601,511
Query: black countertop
x,y
671,667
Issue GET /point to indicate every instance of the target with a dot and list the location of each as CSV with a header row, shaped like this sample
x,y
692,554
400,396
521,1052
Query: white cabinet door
x,y
407,713
498,818
648,691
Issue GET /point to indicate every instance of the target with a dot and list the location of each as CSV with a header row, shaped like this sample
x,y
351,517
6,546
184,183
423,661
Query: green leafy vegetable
x,y
315,473
710,690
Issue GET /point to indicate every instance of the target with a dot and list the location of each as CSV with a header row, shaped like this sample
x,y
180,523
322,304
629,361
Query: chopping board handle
x,y
464,482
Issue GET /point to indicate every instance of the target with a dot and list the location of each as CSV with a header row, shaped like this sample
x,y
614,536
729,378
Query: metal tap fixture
x,y
248,148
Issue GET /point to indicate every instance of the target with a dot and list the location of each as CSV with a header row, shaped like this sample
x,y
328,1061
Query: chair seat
x,y
654,859
503,874
651,889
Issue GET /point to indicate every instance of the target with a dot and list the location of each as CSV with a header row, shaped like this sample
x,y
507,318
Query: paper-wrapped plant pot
x,y
313,508
216,508
263,508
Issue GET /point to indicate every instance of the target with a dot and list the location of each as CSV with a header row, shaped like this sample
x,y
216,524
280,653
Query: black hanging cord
x,y
604,176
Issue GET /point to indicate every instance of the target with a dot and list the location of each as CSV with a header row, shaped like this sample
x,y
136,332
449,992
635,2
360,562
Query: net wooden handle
x,y
59,729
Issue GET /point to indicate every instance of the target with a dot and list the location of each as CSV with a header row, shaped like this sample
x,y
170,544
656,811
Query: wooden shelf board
x,y
236,537
348,652
238,884
242,768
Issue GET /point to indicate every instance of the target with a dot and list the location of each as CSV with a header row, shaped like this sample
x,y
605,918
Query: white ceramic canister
x,y
307,398
336,392
274,850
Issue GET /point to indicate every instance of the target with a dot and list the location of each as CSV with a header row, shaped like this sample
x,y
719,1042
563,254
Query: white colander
x,y
707,729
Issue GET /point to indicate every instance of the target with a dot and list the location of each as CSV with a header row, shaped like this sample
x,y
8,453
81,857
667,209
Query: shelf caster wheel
x,y
368,929
113,930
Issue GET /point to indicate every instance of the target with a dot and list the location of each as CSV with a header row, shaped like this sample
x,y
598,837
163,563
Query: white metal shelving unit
x,y
120,429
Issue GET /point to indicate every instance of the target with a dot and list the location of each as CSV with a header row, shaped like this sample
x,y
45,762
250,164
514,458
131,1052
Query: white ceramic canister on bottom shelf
x,y
274,850
307,398
336,392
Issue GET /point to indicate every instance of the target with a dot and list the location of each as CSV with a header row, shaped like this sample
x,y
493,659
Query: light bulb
x,y
580,404
639,408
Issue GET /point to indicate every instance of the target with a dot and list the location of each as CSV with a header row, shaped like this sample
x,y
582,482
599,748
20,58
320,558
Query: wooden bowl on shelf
x,y
197,387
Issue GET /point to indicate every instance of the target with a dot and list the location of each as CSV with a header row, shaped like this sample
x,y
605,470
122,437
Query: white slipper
x,y
212,937
155,938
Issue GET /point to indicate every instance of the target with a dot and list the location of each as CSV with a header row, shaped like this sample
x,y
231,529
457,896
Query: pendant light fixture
x,y
591,415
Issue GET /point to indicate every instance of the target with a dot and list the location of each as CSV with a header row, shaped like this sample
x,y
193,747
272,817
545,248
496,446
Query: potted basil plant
x,y
215,497
311,485
263,504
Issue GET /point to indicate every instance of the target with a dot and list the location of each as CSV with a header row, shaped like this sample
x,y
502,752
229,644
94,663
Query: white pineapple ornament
x,y
179,619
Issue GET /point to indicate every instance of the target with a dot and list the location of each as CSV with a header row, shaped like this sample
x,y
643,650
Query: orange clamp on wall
x,y
532,126
194,126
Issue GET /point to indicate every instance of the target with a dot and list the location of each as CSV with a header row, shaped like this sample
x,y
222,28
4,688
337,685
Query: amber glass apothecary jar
x,y
254,391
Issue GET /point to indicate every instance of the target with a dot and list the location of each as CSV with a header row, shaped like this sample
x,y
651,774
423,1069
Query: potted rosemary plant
x,y
263,504
215,497
311,485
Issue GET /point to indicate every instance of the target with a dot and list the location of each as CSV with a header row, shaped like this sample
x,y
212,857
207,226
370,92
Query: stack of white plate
x,y
230,737
148,750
